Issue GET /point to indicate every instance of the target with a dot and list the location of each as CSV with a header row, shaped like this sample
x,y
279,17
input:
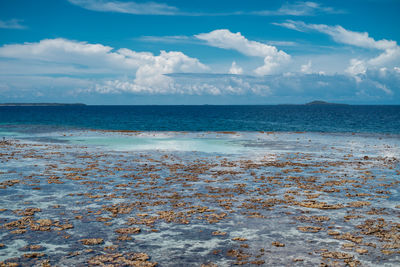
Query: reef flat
x,y
78,198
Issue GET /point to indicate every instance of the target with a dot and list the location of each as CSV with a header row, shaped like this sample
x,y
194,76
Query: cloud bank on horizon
x,y
351,66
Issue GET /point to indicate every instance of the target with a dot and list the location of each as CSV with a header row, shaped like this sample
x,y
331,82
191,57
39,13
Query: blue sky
x,y
199,52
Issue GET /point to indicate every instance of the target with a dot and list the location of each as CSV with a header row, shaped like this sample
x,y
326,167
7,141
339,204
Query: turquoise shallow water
x,y
163,144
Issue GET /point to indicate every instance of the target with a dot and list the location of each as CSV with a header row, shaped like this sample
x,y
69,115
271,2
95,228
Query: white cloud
x,y
282,88
390,50
192,84
82,57
236,41
219,84
373,86
306,68
273,58
63,51
137,8
356,67
341,35
57,66
150,76
235,69
384,88
271,64
12,24
300,8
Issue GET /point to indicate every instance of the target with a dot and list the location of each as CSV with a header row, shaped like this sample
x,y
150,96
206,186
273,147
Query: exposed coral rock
x,y
356,204
277,244
239,239
119,259
337,255
361,251
310,229
92,241
218,233
131,230
34,255
44,222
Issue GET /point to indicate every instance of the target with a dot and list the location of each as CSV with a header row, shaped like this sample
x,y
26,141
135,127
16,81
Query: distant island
x,y
316,103
42,104
320,103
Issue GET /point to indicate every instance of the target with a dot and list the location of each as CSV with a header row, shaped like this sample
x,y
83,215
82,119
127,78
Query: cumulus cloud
x,y
219,84
94,55
65,51
273,58
236,41
12,24
300,8
58,66
137,8
81,57
390,51
356,67
235,69
306,68
149,75
192,84
375,85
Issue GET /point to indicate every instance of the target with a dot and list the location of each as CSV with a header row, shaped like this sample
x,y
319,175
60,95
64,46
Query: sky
x,y
118,52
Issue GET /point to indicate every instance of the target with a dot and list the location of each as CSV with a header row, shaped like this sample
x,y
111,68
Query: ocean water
x,y
365,119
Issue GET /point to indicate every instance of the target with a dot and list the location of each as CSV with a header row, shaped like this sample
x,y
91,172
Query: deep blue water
x,y
367,119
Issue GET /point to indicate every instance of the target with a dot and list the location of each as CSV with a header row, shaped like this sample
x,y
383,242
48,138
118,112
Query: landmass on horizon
x,y
313,103
42,104
322,103
316,103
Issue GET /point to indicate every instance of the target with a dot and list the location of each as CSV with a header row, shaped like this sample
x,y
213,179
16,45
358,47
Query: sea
x,y
284,185
282,118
